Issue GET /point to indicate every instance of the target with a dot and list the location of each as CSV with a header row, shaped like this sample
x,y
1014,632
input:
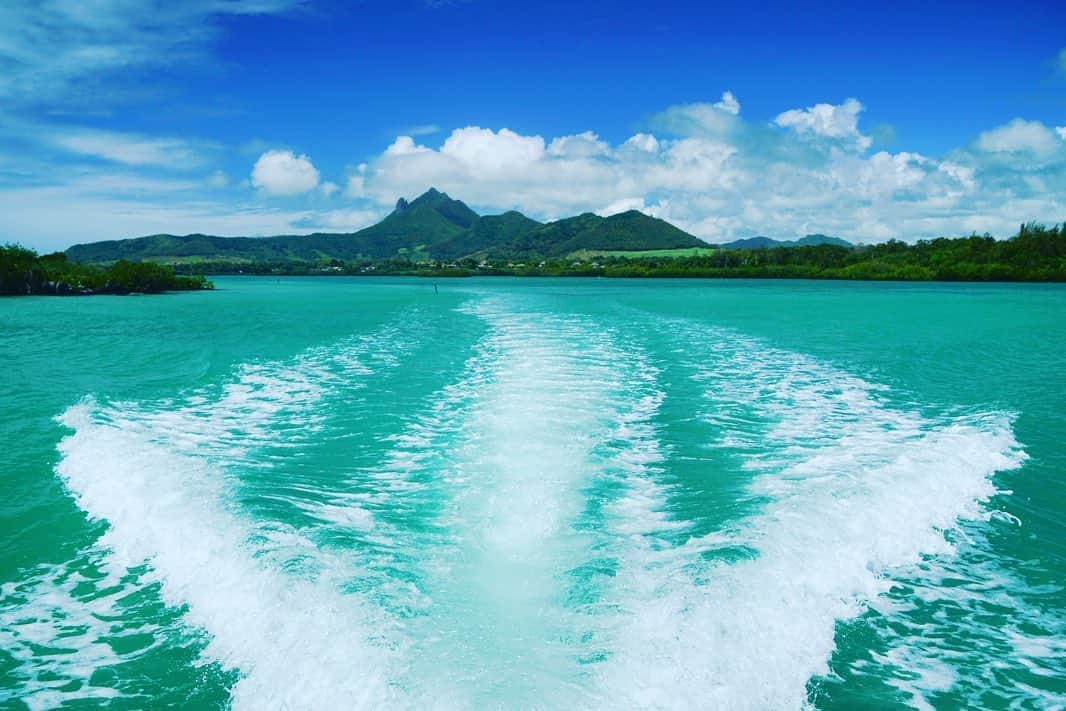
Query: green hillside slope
x,y
433,226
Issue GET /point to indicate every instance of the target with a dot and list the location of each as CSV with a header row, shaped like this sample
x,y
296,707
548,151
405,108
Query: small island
x,y
23,272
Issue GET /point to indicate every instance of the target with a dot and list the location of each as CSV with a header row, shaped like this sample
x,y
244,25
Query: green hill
x,y
433,226
626,231
488,233
769,243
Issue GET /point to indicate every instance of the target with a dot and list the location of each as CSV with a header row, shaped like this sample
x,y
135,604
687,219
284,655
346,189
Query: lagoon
x,y
562,493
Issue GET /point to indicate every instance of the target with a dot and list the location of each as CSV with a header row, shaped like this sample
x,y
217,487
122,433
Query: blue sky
x,y
121,117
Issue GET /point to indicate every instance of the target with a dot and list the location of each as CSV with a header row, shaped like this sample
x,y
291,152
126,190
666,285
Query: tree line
x,y
23,271
1035,253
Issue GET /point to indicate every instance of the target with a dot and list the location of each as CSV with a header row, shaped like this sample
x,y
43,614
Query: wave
x,y
521,542
989,637
545,393
161,476
62,623
849,490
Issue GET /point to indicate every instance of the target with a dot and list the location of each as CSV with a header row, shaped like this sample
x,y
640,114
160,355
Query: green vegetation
x,y
808,241
23,272
435,235
434,227
591,254
1036,253
628,231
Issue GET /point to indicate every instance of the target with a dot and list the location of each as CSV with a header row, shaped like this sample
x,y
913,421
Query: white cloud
x,y
839,121
701,119
721,177
729,104
1020,136
421,129
404,145
129,185
722,181
284,173
485,152
218,179
131,149
582,145
963,175
59,52
350,220
643,142
88,215
623,205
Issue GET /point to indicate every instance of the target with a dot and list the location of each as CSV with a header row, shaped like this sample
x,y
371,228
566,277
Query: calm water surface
x,y
345,493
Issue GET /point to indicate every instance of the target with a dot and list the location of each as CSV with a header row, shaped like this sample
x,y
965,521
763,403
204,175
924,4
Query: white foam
x,y
299,643
502,461
64,612
265,400
855,490
976,616
515,472
269,599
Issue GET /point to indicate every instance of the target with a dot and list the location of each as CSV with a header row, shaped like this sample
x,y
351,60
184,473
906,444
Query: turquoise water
x,y
344,493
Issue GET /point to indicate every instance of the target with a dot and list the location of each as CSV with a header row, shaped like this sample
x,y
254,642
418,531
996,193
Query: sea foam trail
x,y
853,490
500,630
160,476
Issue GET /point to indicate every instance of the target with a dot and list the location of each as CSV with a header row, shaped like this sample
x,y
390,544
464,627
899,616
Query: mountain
x,y
432,226
426,221
752,243
488,233
432,218
630,230
768,243
816,239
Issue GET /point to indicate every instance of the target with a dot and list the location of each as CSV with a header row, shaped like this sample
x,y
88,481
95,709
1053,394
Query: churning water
x,y
572,494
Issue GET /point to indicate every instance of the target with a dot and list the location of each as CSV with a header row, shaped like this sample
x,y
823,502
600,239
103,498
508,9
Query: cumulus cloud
x,y
839,121
488,152
284,173
721,177
700,166
643,142
700,119
728,103
623,205
581,145
1021,136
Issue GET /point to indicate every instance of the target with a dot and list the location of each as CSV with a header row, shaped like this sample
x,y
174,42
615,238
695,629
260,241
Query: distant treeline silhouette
x,y
22,271
1036,253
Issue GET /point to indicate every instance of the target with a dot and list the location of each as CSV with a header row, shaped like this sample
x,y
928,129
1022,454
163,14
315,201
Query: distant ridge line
x,y
433,226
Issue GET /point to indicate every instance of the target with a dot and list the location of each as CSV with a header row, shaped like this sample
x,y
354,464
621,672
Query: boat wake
x,y
522,539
